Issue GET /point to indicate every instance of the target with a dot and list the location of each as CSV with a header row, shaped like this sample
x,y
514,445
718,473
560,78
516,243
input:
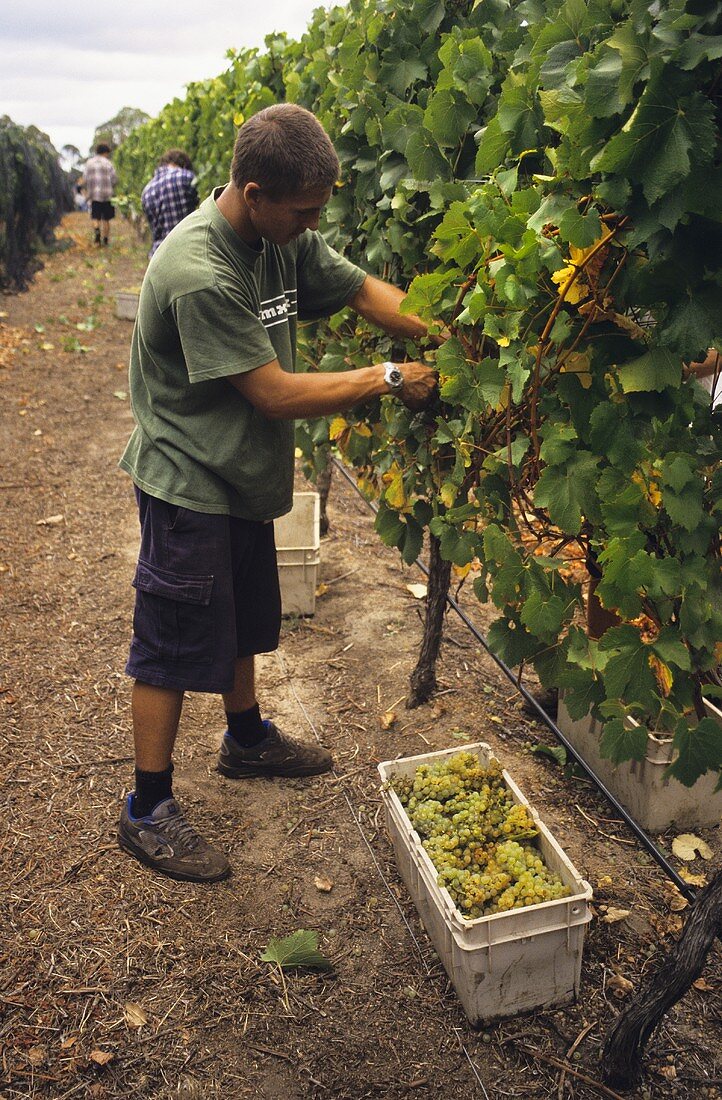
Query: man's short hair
x,y
102,147
286,151
177,157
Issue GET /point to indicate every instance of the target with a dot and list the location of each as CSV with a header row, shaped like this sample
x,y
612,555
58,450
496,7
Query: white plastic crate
x,y
126,304
298,548
654,802
505,963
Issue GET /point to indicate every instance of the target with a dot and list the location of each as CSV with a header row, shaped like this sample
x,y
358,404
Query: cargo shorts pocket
x,y
173,619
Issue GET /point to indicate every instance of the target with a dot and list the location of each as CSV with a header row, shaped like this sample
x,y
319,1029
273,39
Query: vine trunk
x,y
423,678
625,1044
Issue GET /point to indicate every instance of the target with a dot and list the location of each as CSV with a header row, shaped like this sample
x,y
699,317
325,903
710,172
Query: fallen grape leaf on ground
x,y
688,846
298,949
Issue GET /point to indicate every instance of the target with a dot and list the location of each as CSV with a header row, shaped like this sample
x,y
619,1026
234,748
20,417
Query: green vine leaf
x,y
620,743
425,158
566,489
654,148
699,749
655,370
298,949
581,230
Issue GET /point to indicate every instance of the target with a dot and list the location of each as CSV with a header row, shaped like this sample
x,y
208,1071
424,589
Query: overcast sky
x,y
68,67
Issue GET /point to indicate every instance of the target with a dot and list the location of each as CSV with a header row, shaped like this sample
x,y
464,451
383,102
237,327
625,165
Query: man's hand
x,y
707,368
420,382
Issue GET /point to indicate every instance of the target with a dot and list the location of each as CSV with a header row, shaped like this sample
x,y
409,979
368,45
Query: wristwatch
x,y
393,377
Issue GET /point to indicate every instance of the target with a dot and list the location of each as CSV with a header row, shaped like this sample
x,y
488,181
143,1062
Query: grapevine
x,y
480,841
34,194
546,179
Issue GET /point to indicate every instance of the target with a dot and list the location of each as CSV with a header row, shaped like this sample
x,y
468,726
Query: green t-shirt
x,y
212,306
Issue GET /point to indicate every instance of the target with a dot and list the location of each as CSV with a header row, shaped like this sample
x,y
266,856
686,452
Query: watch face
x,y
394,377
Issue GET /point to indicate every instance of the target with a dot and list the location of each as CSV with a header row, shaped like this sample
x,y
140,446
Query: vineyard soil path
x,y
117,983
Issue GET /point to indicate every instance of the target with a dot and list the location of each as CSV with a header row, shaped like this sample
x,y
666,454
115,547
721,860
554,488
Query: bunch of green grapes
x,y
476,836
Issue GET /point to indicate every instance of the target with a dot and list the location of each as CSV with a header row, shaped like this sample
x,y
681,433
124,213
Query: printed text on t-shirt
x,y
276,311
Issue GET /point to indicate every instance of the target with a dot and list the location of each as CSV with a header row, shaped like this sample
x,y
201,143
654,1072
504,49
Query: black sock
x,y
150,789
105,240
246,726
97,236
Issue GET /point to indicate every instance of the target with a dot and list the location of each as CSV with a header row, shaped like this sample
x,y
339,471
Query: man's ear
x,y
252,193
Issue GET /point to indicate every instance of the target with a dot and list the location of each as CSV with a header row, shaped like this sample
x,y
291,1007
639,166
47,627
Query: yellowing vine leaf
x,y
135,1015
613,915
627,324
578,363
677,900
576,291
691,878
584,282
418,591
650,487
687,846
337,427
101,1057
396,494
367,487
619,986
465,452
662,674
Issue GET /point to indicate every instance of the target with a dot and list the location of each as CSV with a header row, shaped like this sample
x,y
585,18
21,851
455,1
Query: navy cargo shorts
x,y
206,592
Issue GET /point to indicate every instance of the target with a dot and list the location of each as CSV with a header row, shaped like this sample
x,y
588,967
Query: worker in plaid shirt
x,y
98,181
170,195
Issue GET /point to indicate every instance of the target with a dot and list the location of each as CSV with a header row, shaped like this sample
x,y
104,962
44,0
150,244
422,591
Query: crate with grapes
x,y
502,903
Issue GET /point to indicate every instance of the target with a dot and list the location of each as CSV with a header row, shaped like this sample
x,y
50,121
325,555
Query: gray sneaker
x,y
276,754
166,841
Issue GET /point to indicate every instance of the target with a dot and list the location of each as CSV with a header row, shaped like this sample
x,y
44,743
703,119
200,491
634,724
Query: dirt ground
x,y
116,983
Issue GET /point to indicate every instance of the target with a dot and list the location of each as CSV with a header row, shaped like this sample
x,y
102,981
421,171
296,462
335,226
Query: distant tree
x,y
116,130
72,155
40,138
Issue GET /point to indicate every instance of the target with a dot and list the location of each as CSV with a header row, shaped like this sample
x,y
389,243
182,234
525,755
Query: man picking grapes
x,y
214,397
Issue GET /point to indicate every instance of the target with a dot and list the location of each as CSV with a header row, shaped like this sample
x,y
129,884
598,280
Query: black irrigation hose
x,y
657,855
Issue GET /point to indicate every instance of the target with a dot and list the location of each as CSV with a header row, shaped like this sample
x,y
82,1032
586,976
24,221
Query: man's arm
x,y
279,395
379,303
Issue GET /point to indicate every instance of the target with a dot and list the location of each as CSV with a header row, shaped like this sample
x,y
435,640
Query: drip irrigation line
x,y
457,1031
647,843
